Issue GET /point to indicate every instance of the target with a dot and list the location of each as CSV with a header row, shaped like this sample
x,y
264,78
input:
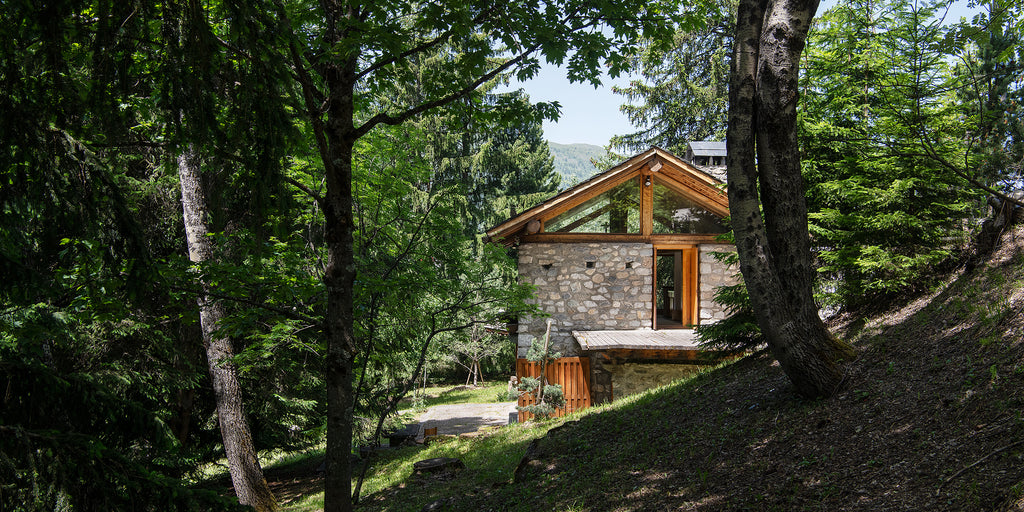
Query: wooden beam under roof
x,y
667,238
572,196
692,182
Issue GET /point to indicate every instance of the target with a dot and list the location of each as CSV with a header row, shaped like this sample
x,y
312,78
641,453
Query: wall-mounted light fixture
x,y
647,181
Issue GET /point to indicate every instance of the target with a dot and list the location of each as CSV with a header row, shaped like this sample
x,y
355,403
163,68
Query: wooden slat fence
x,y
573,373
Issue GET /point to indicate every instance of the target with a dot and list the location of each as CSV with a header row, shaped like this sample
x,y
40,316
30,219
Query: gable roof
x,y
707,148
701,186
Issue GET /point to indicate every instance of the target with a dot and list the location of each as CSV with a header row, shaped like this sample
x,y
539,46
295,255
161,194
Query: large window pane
x,y
675,213
615,211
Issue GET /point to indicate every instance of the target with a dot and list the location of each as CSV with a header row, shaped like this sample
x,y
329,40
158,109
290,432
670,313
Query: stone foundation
x,y
632,378
600,380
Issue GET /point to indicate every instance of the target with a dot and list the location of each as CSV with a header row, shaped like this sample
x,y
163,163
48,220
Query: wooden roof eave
x,y
697,173
710,196
574,195
705,190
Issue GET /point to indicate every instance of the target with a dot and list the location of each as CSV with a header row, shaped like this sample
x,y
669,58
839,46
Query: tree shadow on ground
x,y
928,419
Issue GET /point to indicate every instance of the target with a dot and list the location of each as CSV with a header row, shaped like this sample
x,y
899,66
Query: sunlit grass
x,y
490,460
310,503
276,458
493,459
446,395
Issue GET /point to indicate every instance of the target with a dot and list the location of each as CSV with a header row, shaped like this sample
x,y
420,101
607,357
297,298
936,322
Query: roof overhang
x,y
638,339
704,188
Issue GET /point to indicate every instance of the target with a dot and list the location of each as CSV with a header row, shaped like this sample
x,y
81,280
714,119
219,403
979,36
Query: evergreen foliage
x,y
105,395
884,215
739,330
990,72
98,300
682,92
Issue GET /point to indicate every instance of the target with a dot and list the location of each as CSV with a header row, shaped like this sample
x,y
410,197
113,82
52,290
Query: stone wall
x,y
713,274
604,286
632,378
586,286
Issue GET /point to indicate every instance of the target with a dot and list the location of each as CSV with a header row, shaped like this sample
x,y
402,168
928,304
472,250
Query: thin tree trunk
x,y
774,250
246,475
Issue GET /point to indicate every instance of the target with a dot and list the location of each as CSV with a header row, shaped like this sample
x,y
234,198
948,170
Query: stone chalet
x,y
624,265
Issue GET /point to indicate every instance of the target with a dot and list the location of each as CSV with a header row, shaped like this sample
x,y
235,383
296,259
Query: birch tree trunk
x,y
774,250
246,475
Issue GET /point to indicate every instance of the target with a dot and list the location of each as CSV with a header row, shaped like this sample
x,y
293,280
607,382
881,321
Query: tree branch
x,y
294,315
310,94
979,461
931,154
310,192
444,100
424,46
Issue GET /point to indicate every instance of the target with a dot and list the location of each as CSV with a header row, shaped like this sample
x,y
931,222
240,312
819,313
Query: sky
x,y
592,116
589,115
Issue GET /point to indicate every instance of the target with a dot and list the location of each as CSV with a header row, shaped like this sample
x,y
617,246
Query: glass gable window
x,y
615,211
675,213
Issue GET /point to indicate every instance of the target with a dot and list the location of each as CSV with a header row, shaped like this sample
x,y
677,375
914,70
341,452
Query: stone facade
x,y
586,286
604,286
713,274
632,378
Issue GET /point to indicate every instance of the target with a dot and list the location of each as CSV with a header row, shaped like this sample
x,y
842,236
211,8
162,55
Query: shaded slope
x,y
931,418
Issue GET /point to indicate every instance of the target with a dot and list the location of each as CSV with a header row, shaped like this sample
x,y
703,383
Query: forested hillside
x,y
928,418
574,162
234,228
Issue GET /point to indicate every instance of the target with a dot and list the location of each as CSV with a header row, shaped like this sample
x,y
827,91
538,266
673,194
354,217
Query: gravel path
x,y
464,418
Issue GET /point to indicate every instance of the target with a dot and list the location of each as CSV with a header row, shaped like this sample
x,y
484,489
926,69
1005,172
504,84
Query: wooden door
x,y
676,281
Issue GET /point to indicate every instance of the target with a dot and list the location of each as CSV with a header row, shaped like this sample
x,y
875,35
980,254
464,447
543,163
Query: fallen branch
x,y
979,461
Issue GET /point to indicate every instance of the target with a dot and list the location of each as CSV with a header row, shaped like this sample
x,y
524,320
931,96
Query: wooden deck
x,y
640,339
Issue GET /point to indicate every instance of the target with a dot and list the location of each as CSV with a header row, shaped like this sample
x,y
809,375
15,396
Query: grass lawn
x,y
490,460
445,395
494,454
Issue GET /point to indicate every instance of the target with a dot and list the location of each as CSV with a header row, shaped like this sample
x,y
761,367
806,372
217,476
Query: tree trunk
x,y
339,278
774,251
246,475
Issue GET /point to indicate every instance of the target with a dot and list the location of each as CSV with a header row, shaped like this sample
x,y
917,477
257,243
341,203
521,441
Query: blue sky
x,y
592,116
589,115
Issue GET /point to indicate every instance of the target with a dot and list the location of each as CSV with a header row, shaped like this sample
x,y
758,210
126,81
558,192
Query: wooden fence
x,y
573,373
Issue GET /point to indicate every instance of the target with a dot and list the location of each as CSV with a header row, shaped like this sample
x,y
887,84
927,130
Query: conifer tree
x,y
681,94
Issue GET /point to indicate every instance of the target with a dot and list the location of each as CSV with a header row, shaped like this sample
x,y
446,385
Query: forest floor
x,y
930,417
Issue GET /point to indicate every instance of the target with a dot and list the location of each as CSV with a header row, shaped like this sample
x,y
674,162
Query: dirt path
x,y
464,418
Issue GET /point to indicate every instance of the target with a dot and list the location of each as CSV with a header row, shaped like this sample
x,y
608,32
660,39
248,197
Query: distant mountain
x,y
572,161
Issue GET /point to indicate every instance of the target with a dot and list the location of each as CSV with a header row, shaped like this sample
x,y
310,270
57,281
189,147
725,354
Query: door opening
x,y
675,288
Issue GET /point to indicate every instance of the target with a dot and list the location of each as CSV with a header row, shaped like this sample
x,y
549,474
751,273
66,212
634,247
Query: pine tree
x,y
883,214
682,92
